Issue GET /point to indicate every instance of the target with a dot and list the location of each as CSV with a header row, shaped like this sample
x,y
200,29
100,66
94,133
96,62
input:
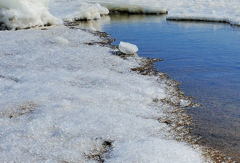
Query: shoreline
x,y
74,100
177,118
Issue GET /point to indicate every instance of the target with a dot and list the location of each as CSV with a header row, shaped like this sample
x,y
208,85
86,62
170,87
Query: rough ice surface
x,y
25,13
128,48
61,99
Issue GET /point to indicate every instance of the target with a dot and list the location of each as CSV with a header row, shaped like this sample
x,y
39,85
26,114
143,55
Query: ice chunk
x,y
128,48
185,102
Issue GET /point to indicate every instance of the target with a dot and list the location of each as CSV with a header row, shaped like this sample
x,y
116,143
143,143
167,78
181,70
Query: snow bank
x,y
62,100
25,13
128,48
28,13
204,10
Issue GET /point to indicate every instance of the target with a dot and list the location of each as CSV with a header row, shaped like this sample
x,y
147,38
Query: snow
x,y
25,13
132,152
61,99
91,11
128,48
77,10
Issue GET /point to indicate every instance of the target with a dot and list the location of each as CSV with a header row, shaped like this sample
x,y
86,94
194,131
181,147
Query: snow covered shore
x,y
64,100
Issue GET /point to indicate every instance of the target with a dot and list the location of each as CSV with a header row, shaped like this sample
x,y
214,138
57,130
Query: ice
x,y
205,10
78,10
25,13
61,100
128,48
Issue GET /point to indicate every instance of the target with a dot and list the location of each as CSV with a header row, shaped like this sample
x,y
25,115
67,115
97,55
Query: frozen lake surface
x,y
205,58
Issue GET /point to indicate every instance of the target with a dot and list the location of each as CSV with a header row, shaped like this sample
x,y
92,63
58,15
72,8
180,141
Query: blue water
x,y
205,58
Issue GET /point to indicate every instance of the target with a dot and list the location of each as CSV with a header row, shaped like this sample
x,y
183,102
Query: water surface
x,y
205,58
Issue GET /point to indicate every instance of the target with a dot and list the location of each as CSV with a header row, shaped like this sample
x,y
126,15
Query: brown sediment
x,y
23,109
106,40
100,155
9,78
177,118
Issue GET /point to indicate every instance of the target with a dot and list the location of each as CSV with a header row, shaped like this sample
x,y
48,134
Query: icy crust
x,y
25,13
62,100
